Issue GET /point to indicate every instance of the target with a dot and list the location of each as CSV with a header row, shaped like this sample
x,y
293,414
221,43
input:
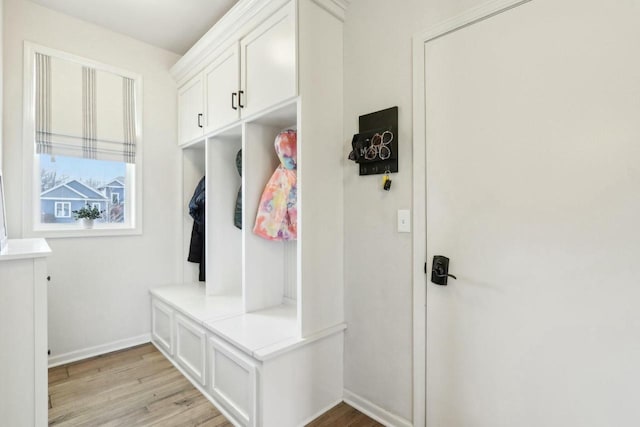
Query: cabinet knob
x,y
48,278
200,120
233,100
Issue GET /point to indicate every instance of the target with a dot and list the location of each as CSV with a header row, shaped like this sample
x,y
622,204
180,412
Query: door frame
x,y
470,17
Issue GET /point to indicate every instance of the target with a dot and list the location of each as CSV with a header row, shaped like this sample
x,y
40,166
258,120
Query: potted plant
x,y
87,215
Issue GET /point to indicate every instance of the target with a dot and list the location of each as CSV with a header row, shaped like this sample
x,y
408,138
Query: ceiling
x,y
173,25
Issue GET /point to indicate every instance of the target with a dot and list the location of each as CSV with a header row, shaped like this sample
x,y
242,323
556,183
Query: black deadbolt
x,y
440,270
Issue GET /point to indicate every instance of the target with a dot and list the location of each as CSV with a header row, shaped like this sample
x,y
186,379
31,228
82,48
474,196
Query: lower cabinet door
x,y
191,347
233,381
161,325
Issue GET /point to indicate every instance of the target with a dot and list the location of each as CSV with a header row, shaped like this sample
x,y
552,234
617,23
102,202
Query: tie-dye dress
x,y
277,217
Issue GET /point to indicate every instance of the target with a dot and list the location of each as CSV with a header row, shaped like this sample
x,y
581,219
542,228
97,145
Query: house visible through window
x,y
62,209
77,182
86,145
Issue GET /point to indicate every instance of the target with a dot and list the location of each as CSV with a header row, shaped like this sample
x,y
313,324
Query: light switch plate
x,y
404,221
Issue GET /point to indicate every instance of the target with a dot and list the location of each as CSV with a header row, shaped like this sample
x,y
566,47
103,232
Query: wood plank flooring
x,y
140,387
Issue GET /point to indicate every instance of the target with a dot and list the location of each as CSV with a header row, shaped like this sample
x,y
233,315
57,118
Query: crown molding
x,y
337,8
230,27
238,16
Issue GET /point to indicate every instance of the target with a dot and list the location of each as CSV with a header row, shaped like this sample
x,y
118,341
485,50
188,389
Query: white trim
x,y
337,8
321,412
31,225
117,202
73,198
85,353
470,17
233,26
65,185
374,411
3,214
197,372
34,47
55,209
219,36
67,230
40,340
159,306
217,345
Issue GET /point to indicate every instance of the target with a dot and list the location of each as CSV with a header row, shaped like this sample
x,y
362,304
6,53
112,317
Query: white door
x,y
191,110
223,82
533,192
269,62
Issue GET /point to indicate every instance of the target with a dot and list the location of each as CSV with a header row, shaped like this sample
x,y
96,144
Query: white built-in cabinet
x,y
23,333
268,61
251,74
190,108
222,80
263,337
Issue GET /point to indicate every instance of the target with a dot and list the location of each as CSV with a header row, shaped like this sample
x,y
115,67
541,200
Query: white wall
x,y
378,280
98,294
1,68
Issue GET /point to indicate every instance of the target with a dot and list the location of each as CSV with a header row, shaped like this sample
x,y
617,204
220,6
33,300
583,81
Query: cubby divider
x,y
271,271
193,169
224,240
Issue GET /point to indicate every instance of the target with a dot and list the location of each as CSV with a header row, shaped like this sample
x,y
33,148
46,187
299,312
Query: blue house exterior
x,y
57,204
114,191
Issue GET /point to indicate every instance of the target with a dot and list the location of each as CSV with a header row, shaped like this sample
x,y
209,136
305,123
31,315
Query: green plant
x,y
89,212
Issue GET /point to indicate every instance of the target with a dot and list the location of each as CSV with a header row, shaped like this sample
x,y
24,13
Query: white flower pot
x,y
87,223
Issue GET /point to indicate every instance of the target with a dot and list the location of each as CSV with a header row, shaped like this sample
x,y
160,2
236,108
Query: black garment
x,y
196,210
237,215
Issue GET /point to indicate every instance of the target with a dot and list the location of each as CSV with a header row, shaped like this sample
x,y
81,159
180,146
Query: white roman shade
x,y
83,111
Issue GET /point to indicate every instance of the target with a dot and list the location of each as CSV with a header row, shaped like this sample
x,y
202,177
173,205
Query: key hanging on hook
x,y
386,181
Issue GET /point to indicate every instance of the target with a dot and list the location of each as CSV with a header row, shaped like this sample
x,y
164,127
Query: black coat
x,y
196,210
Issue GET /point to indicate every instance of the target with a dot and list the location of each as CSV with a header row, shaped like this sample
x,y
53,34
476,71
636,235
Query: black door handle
x,y
240,93
233,100
440,270
200,120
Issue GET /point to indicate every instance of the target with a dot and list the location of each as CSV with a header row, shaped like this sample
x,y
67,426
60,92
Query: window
x,y
63,210
85,148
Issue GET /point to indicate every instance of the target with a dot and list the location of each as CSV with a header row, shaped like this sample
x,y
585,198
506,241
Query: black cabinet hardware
x,y
440,270
240,93
200,120
233,100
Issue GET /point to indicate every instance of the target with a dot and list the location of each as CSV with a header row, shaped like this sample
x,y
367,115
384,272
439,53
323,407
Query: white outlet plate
x,y
404,221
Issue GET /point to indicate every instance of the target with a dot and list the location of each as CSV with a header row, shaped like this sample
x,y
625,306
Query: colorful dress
x,y
277,217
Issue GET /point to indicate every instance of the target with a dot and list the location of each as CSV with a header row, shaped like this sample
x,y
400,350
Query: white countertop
x,y
191,299
24,249
262,334
254,331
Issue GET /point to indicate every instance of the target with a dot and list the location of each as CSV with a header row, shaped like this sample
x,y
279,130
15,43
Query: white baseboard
x,y
374,411
320,412
85,353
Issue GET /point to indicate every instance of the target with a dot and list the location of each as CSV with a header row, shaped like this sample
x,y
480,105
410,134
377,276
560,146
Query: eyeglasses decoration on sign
x,y
379,146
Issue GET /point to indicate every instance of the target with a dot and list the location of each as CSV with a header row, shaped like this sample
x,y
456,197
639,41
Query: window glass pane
x,y
70,183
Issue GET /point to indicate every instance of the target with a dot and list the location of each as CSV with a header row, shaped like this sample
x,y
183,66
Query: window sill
x,y
78,231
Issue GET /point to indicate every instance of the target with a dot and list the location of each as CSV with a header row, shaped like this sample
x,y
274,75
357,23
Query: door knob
x,y
440,270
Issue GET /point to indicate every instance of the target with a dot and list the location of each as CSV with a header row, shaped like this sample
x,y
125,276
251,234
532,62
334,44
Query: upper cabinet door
x,y
269,65
190,110
222,79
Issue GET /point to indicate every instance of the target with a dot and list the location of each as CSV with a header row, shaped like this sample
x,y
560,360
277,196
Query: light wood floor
x,y
140,387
